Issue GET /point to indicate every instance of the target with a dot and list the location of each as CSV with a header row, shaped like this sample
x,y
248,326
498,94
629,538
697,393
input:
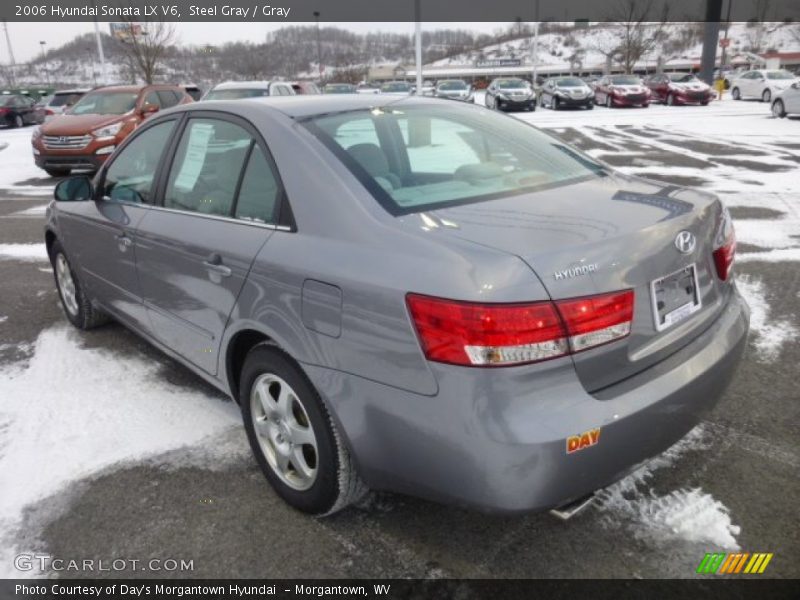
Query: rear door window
x,y
168,98
206,170
152,98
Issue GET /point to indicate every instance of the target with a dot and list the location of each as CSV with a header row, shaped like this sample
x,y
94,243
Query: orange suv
x,y
85,136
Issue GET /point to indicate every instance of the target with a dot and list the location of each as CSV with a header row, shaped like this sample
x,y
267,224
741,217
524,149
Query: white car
x,y
787,102
61,101
367,88
761,83
234,90
396,88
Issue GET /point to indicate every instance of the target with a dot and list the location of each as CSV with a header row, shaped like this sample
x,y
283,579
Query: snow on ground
x,y
70,412
33,211
690,514
19,174
771,334
25,252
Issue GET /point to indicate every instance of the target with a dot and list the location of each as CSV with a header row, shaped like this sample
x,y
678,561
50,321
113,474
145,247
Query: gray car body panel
x,y
332,295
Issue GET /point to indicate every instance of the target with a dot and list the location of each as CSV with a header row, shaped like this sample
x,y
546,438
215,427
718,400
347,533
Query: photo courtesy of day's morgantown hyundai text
x,y
410,294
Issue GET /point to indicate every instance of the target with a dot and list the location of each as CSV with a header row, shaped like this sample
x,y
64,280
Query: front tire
x,y
293,437
766,96
77,305
736,94
670,100
18,122
609,102
554,103
778,109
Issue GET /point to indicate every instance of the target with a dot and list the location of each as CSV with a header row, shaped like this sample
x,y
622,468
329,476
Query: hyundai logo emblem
x,y
62,139
685,242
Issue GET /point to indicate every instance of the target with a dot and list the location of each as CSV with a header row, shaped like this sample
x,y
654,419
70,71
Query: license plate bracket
x,y
675,297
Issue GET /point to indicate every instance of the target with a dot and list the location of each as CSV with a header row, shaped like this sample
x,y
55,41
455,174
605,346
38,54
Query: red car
x,y
621,90
679,88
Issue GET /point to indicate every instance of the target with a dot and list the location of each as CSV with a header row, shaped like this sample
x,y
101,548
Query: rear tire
x,y
766,96
57,172
736,94
778,110
18,122
286,421
77,305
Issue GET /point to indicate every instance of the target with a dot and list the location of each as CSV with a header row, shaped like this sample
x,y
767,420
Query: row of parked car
x,y
98,120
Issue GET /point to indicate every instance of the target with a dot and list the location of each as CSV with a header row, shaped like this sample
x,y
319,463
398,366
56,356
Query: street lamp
x,y
46,70
319,48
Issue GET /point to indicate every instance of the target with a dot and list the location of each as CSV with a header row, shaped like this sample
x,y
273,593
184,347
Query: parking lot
x,y
108,449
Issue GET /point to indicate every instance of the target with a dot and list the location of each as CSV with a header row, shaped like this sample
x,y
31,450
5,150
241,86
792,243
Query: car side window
x,y
258,194
130,176
207,166
167,98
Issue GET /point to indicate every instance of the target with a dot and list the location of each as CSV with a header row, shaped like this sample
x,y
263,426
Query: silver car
x,y
409,295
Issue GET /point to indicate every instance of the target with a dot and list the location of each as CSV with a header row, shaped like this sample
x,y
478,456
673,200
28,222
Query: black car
x,y
563,92
510,93
17,110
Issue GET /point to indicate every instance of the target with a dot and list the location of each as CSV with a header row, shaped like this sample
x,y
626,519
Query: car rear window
x,y
236,94
418,158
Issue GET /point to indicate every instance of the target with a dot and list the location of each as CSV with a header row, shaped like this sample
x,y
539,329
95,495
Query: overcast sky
x,y
25,37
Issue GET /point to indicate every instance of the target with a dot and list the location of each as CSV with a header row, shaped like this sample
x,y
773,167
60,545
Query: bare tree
x,y
146,45
639,27
756,27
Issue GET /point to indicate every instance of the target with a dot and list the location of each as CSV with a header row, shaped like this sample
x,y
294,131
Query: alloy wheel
x,y
766,96
778,110
284,431
18,121
670,100
736,94
608,101
66,284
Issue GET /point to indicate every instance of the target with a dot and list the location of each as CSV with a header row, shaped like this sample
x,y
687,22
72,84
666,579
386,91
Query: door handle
x,y
214,264
124,242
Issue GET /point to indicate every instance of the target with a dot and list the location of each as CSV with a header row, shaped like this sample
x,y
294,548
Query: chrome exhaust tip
x,y
567,511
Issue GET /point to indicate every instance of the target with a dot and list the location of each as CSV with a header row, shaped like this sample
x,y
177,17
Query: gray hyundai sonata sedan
x,y
410,295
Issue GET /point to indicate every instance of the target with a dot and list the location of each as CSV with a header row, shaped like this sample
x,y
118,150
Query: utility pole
x,y
319,48
418,42
10,54
727,26
44,58
100,54
710,40
535,44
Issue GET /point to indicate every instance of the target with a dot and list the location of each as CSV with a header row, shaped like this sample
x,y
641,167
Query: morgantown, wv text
x,y
211,591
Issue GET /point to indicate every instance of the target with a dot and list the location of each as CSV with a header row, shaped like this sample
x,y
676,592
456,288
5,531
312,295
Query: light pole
x,y
418,43
725,46
44,58
535,44
10,54
319,48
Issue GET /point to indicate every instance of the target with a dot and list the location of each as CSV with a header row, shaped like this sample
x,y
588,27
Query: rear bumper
x,y
496,440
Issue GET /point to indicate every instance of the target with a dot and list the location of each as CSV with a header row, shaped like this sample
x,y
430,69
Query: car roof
x,y
244,85
301,106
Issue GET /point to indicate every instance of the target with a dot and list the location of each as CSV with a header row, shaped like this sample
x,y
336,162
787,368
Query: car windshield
x,y
432,157
625,80
682,77
7,100
395,87
512,84
569,82
236,93
779,75
452,85
105,103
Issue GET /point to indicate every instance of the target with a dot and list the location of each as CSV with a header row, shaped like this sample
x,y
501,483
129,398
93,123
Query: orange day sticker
x,y
583,440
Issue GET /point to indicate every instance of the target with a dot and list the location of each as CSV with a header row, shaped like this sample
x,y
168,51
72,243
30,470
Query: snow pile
x,y
72,412
20,174
685,514
771,334
25,252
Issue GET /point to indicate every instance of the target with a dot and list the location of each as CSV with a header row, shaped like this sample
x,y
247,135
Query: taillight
x,y
725,246
473,334
597,320
725,255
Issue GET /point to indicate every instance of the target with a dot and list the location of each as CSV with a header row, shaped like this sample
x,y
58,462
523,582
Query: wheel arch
x,y
50,238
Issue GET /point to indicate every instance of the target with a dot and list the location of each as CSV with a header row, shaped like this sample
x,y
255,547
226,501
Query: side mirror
x,y
148,109
74,189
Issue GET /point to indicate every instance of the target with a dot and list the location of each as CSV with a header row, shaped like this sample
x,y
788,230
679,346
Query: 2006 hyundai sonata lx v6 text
x,y
410,295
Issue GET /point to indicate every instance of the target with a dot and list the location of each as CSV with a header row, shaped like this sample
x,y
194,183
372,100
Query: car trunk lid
x,y
609,234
